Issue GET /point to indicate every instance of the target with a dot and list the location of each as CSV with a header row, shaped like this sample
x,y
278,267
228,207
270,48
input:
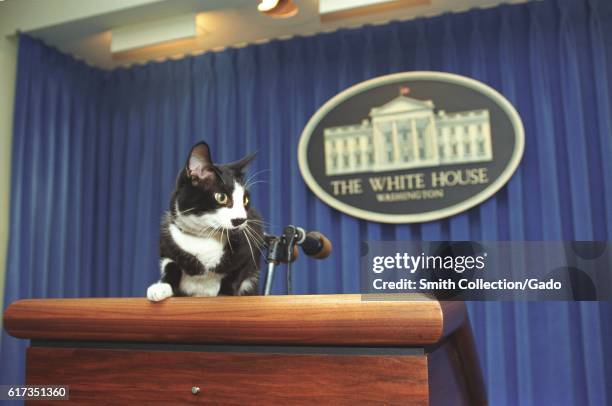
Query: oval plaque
x,y
411,147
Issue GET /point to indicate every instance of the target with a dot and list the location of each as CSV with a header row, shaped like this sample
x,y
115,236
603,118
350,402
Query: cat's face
x,y
211,197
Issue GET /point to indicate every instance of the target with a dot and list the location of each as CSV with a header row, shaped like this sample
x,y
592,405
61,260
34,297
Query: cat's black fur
x,y
192,201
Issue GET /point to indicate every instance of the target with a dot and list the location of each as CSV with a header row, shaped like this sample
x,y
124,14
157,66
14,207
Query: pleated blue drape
x,y
95,154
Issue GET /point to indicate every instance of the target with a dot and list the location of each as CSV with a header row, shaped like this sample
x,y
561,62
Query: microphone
x,y
283,249
277,250
314,244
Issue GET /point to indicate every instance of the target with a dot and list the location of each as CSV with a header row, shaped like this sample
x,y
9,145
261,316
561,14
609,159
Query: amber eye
x,y
245,200
221,198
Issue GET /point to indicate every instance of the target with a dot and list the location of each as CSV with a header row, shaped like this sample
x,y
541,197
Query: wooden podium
x,y
323,349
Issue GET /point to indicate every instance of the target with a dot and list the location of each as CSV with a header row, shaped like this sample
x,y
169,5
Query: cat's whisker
x,y
259,223
228,240
259,228
185,211
248,226
210,231
248,185
253,245
259,245
251,176
205,231
250,248
256,238
249,181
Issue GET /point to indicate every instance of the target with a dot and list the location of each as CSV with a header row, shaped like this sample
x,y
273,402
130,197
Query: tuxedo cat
x,y
211,237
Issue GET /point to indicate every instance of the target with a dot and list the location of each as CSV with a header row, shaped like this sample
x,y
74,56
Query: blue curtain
x,y
95,154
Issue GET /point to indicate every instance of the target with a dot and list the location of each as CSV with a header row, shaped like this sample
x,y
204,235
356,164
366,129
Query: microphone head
x,y
316,245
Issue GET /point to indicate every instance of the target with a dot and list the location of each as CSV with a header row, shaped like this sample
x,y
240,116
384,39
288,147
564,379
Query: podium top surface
x,y
351,320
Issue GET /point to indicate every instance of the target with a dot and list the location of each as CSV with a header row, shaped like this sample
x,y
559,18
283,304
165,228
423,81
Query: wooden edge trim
x,y
275,320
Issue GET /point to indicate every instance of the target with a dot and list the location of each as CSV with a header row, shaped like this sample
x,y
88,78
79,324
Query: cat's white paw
x,y
159,291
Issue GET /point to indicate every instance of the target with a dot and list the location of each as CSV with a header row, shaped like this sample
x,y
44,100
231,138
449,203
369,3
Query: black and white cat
x,y
211,237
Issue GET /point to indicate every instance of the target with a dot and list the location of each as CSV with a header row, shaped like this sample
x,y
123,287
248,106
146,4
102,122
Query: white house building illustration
x,y
406,133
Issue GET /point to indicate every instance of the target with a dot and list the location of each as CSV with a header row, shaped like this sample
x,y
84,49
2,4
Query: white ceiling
x,y
225,22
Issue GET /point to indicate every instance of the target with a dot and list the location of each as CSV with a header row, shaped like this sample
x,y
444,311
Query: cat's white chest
x,y
208,284
208,251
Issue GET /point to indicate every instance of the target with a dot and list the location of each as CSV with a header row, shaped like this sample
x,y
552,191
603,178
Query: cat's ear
x,y
240,165
199,165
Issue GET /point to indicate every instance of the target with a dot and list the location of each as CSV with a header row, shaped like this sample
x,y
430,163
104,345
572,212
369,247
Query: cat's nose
x,y
237,222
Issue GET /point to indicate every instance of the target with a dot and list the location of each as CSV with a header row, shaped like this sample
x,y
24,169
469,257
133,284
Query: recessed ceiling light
x,y
153,32
278,8
330,10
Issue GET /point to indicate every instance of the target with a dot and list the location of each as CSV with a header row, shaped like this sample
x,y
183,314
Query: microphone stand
x,y
289,235
280,249
273,258
269,278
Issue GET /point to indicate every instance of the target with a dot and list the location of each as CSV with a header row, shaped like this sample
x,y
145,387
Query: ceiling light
x,y
278,8
153,33
330,10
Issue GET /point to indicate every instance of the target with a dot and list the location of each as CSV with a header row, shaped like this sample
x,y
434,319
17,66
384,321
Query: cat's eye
x,y
245,201
221,198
